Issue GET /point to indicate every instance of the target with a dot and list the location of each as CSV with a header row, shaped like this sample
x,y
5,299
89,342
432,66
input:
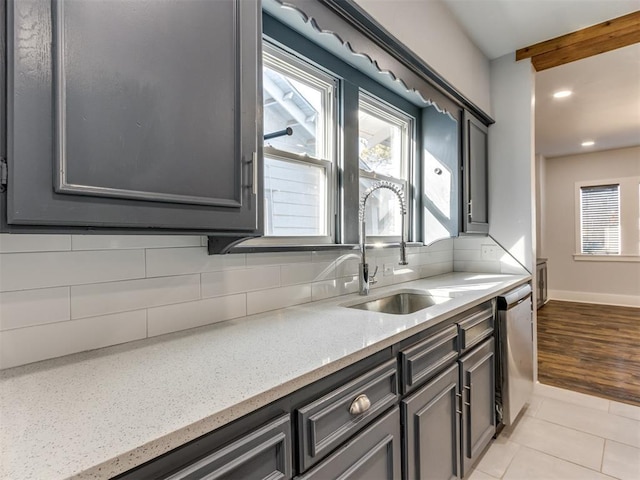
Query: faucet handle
x,y
372,277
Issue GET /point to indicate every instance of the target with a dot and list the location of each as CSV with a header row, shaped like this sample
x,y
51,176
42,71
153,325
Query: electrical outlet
x,y
387,269
488,252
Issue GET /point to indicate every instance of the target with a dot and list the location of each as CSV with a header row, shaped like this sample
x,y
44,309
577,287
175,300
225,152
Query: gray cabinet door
x,y
129,113
477,378
432,429
374,454
441,174
262,454
475,215
327,422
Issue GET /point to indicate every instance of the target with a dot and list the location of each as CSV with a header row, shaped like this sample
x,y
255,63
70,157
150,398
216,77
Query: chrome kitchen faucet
x,y
365,279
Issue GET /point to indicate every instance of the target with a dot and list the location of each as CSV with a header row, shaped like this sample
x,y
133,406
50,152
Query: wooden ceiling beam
x,y
600,38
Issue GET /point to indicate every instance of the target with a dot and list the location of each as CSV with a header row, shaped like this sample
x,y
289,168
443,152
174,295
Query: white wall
x,y
61,294
432,32
511,159
512,166
540,204
590,281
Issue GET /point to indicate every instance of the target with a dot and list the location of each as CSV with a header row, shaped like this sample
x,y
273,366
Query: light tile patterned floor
x,y
564,435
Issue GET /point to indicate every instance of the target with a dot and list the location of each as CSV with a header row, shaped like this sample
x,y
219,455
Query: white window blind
x,y
600,219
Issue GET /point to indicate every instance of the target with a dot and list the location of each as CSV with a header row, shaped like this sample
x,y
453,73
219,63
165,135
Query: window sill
x,y
309,247
580,257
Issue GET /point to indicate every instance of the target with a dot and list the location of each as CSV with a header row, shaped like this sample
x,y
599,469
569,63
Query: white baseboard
x,y
598,298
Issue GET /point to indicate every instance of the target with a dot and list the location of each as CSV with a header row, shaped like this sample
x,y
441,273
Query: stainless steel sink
x,y
401,303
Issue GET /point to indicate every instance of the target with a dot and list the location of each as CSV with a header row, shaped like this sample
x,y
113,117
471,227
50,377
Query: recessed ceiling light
x,y
588,143
562,93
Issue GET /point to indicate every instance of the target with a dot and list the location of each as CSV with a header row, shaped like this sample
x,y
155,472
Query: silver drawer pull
x,y
360,405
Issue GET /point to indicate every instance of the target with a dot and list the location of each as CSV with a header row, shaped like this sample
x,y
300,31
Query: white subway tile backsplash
x,y
272,299
32,344
307,273
180,261
445,244
106,242
182,316
334,288
478,267
26,308
415,259
401,273
441,256
278,258
227,282
471,242
324,256
468,255
66,287
347,265
34,243
434,269
104,298
23,271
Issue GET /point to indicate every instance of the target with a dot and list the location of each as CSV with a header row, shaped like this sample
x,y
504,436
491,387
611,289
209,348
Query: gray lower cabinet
x,y
332,419
449,415
477,381
356,424
373,454
475,167
264,454
432,429
134,114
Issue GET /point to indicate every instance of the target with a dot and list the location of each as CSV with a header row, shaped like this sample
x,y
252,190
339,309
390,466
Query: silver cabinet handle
x,y
360,405
254,162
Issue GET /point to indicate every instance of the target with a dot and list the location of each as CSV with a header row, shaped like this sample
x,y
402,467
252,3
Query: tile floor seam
x,y
560,458
604,448
566,461
510,462
589,433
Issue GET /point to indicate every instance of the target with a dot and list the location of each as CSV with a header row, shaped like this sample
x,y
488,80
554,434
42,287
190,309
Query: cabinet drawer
x,y
327,422
476,328
372,454
428,357
265,453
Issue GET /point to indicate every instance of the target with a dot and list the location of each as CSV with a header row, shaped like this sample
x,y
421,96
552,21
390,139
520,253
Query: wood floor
x,y
593,349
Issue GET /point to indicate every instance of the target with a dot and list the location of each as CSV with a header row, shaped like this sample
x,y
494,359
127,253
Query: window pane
x,y
382,213
292,102
600,219
295,200
382,144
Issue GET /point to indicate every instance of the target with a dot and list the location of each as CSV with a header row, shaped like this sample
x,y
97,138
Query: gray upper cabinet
x,y
135,114
475,215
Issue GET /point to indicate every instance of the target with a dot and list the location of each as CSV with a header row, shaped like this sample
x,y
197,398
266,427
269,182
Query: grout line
x,y
70,309
604,447
512,458
562,459
588,433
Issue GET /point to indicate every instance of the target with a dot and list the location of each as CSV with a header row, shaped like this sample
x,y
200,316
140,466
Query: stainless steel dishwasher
x,y
514,368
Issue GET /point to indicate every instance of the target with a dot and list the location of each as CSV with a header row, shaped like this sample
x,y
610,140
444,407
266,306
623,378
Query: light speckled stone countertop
x,y
100,413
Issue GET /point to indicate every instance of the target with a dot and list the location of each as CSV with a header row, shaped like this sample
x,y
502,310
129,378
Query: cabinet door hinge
x,y
4,174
